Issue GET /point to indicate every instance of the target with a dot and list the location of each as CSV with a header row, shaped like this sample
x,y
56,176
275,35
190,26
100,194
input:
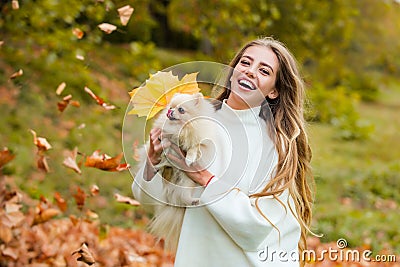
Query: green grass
x,y
358,181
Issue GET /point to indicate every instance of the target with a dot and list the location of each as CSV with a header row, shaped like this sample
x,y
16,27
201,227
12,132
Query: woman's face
x,y
253,78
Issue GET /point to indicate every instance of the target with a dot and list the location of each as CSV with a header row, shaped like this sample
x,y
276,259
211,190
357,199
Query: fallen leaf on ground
x,y
43,215
98,99
84,255
125,13
126,200
107,27
5,156
105,162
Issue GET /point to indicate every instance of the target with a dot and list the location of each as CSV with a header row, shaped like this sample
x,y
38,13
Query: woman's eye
x,y
264,71
245,62
181,110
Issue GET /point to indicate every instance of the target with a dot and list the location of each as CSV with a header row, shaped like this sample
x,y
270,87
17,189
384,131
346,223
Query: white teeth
x,y
247,84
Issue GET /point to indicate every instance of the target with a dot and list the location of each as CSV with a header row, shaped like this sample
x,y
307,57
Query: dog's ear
x,y
198,97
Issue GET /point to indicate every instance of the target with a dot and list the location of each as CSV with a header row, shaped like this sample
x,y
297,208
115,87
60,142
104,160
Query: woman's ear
x,y
273,94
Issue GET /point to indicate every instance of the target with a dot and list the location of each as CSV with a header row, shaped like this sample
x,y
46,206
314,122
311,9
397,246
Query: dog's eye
x,y
181,110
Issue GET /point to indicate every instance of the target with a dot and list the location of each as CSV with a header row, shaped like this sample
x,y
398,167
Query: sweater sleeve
x,y
148,192
242,217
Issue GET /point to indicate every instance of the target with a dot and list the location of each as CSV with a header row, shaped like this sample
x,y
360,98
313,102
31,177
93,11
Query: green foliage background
x,y
349,51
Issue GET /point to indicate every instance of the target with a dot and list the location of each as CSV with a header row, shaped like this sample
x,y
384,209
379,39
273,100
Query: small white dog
x,y
186,122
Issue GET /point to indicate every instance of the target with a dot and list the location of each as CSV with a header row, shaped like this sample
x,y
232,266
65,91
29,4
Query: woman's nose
x,y
249,72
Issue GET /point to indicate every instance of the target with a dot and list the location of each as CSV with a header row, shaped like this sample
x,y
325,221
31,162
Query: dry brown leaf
x,y
12,207
40,142
78,33
10,252
107,27
80,57
74,220
125,13
70,161
15,4
42,164
17,74
92,215
126,200
80,197
63,104
94,190
5,156
105,162
13,219
60,201
98,99
61,88
1,43
44,215
84,255
6,234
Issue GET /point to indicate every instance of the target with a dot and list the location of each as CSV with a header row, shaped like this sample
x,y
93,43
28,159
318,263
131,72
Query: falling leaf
x,y
78,33
94,190
84,254
125,13
67,100
70,161
17,74
60,201
15,4
98,99
80,57
107,27
5,156
43,215
42,163
40,142
105,162
80,198
126,200
1,43
92,215
155,95
61,88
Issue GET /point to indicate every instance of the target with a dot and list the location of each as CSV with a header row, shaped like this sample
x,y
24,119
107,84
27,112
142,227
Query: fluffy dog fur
x,y
185,122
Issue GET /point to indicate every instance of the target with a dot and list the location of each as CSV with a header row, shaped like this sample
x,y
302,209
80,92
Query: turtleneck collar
x,y
245,115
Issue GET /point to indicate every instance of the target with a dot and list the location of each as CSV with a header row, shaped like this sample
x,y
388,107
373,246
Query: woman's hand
x,y
154,153
155,148
194,171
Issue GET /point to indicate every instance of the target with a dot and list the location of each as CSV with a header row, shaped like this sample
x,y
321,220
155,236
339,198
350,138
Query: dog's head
x,y
184,107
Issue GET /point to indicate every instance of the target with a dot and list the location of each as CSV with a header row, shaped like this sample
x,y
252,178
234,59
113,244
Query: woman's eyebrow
x,y
261,63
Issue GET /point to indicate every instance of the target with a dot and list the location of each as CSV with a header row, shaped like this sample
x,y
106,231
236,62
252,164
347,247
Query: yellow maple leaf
x,y
158,90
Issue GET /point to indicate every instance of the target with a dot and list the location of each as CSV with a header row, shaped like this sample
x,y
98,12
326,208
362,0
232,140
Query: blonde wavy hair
x,y
293,171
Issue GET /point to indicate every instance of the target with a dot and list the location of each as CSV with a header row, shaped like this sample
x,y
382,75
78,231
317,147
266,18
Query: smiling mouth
x,y
247,84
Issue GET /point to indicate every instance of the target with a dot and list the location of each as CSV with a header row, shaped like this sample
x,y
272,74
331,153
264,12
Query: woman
x,y
256,205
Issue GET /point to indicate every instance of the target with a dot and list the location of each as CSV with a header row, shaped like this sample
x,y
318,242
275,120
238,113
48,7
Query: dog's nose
x,y
170,114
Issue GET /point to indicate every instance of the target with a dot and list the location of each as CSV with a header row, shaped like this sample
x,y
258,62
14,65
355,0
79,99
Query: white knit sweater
x,y
229,228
